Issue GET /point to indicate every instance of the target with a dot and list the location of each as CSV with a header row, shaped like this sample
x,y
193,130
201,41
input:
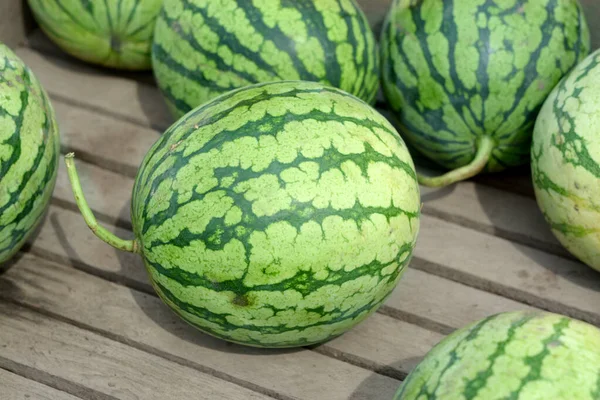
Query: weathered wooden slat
x,y
486,209
15,22
509,269
99,89
88,360
103,306
15,387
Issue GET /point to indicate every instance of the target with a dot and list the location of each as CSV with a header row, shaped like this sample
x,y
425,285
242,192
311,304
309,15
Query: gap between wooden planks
x,y
89,365
16,387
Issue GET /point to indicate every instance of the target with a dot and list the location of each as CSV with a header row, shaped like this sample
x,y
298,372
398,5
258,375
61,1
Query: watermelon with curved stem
x,y
110,33
522,355
203,48
277,215
29,151
466,79
565,161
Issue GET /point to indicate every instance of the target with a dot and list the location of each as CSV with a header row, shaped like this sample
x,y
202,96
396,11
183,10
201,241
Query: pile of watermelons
x,y
281,209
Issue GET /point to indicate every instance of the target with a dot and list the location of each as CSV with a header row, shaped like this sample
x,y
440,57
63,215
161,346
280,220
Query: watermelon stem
x,y
485,146
107,236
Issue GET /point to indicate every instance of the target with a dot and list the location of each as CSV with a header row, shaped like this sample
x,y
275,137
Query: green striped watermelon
x,y
203,48
466,79
517,356
111,33
566,161
29,151
276,215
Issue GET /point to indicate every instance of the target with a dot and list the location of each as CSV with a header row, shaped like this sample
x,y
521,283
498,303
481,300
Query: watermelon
x,y
111,33
204,48
29,151
466,79
565,161
276,215
521,355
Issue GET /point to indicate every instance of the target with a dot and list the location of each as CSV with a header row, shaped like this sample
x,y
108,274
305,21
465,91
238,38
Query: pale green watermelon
x,y
525,355
566,161
111,33
277,215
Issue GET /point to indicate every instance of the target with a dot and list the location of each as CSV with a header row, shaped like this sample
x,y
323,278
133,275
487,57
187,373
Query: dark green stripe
x,y
535,362
530,70
281,41
132,12
88,5
198,75
64,9
111,29
578,156
221,320
165,58
361,87
473,386
331,155
232,41
14,141
315,25
303,282
185,123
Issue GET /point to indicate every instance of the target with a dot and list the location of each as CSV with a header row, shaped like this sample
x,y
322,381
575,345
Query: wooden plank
x,y
104,306
78,83
15,387
493,211
108,369
519,272
15,22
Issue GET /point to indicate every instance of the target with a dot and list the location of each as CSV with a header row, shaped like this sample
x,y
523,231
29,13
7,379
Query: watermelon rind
x,y
565,161
29,151
520,355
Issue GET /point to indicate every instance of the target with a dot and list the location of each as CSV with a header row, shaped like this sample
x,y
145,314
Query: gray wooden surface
x,y
80,319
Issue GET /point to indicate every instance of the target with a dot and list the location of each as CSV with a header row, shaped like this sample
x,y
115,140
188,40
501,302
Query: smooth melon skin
x,y
466,79
29,151
110,33
277,215
204,48
566,161
522,355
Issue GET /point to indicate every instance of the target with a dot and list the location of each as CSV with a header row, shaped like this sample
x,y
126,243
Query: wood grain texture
x,y
16,22
107,367
15,387
143,321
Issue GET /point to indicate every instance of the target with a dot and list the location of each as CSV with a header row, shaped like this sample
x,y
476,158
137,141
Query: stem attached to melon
x,y
110,238
485,146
